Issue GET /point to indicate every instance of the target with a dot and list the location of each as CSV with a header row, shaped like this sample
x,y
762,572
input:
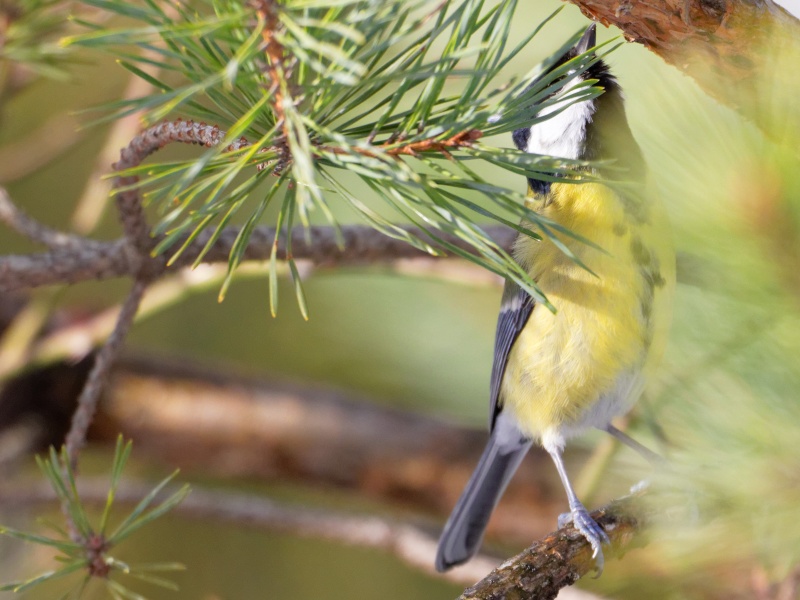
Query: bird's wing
x,y
515,309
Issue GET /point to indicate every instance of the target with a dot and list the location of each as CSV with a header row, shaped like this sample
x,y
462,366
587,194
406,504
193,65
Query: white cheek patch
x,y
564,134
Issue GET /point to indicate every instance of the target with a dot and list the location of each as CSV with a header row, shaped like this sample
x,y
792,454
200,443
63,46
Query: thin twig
x,y
93,201
16,219
129,202
90,395
462,139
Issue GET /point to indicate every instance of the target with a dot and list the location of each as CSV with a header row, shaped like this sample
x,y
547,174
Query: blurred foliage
x,y
726,409
30,31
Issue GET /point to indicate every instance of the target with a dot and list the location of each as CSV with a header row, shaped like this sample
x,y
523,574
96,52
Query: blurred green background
x,y
726,397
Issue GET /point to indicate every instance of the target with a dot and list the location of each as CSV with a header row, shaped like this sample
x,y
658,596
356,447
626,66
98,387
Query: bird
x,y
557,374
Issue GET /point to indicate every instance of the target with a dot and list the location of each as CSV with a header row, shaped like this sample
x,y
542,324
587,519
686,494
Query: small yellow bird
x,y
557,375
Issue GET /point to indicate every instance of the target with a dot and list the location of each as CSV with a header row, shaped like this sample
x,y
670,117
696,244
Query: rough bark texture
x,y
106,260
563,557
727,46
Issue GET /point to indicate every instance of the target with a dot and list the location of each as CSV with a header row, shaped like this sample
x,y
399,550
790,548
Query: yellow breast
x,y
608,327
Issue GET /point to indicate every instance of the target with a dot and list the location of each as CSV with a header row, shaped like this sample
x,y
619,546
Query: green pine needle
x,y
357,84
73,555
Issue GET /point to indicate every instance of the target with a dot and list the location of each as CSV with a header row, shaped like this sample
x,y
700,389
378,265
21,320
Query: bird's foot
x,y
594,534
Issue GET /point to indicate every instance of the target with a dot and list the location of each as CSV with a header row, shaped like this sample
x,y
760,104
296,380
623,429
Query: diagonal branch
x,y
90,395
563,557
16,219
728,46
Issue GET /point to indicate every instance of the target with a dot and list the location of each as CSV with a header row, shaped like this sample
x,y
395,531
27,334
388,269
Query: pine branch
x,y
84,259
320,100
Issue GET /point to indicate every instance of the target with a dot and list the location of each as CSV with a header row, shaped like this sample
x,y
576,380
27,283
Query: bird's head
x,y
590,129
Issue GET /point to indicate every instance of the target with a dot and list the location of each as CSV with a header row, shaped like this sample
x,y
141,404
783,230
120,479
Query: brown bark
x,y
106,260
728,46
560,559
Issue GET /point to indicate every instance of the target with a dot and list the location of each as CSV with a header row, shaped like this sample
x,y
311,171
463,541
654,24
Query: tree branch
x,y
194,418
727,46
563,557
105,260
16,219
90,395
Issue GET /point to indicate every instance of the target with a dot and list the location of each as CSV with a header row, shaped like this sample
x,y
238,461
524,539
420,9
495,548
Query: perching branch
x,y
729,47
563,557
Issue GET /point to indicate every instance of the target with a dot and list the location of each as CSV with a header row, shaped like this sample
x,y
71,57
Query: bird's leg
x,y
653,458
578,514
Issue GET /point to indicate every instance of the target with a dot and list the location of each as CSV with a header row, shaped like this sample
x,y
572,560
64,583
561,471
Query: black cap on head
x,y
588,39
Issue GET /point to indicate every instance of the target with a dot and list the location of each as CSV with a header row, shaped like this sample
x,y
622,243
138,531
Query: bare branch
x,y
16,219
725,46
197,419
129,202
106,260
90,395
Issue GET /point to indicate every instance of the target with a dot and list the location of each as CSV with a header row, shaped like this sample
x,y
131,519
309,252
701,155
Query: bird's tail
x,y
463,532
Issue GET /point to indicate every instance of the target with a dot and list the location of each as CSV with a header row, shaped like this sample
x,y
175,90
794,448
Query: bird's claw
x,y
594,534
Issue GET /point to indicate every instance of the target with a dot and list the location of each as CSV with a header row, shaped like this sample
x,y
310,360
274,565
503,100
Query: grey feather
x,y
463,532
515,309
